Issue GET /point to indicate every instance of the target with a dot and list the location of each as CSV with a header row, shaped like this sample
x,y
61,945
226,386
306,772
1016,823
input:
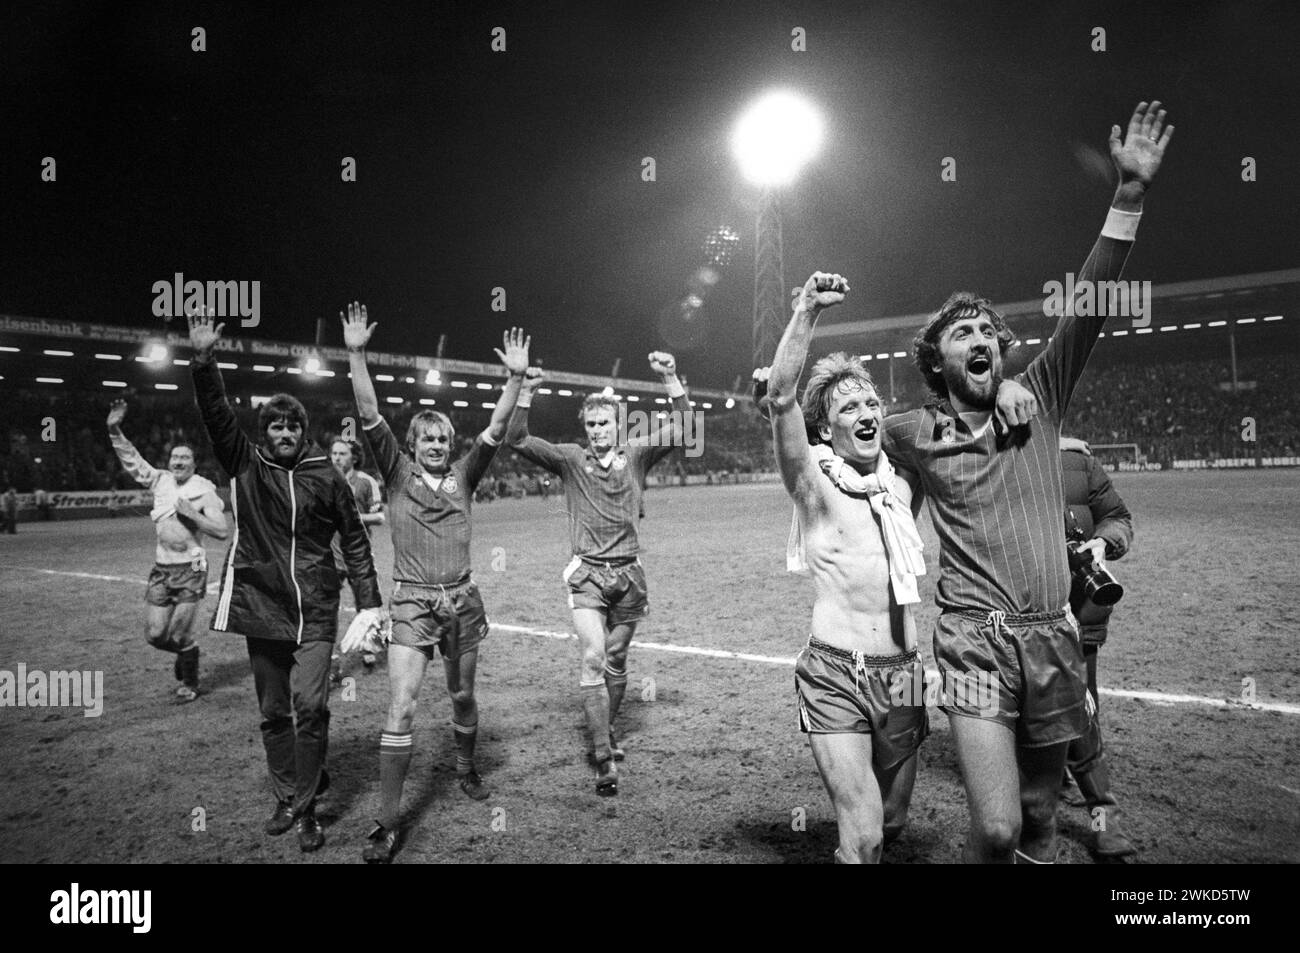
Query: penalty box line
x,y
1158,698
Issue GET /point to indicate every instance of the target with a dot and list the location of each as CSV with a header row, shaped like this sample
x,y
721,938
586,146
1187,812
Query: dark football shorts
x,y
843,692
175,583
616,587
1033,662
448,617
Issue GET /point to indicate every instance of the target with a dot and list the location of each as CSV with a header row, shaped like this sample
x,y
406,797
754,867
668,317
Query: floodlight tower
x,y
774,139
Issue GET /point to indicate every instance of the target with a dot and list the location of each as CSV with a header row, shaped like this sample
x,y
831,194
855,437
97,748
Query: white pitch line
x,y
1159,698
656,646
212,586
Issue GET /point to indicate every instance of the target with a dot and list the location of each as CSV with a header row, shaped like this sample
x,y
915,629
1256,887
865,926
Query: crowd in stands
x,y
57,440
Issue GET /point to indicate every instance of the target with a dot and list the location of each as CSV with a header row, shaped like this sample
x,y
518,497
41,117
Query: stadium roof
x,y
273,357
1264,292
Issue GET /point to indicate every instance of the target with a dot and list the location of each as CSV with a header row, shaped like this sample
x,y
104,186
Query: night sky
x,y
523,169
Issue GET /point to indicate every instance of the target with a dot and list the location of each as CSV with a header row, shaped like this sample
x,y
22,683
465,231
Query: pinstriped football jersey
x,y
996,499
431,528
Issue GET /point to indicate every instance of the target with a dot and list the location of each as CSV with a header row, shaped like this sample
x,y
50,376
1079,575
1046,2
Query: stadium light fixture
x,y
731,402
49,380
264,368
102,357
608,391
52,353
545,390
408,380
1274,317
776,137
460,403
9,350
294,370
433,378
565,393
392,400
1216,324
311,365
386,378
1245,320
707,405
488,406
114,383
460,383
166,387
482,386
427,401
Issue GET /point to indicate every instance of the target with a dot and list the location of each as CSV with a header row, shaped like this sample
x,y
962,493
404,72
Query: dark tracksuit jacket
x,y
278,580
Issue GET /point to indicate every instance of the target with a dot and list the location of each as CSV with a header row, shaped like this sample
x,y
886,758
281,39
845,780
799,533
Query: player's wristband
x,y
675,390
1120,225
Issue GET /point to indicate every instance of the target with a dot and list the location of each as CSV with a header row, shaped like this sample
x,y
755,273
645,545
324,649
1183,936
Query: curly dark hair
x,y
959,306
282,407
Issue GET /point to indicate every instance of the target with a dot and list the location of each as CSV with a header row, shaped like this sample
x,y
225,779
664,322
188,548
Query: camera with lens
x,y
1097,585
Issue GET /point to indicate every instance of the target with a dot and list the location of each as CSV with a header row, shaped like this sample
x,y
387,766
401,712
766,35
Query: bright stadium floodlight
x,y
311,365
433,378
775,138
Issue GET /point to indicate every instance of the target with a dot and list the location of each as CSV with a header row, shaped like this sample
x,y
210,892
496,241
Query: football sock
x,y
466,735
394,759
595,701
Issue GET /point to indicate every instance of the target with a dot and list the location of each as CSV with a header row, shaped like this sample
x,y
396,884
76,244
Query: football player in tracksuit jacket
x,y
1104,518
279,585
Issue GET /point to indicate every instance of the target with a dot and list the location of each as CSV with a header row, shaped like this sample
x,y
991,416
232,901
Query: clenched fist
x,y
821,290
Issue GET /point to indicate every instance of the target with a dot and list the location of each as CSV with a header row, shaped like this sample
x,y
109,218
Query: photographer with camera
x,y
1099,527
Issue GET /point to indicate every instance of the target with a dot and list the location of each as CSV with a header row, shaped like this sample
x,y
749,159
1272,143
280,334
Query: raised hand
x,y
515,355
203,336
821,290
116,413
663,363
533,378
356,333
1016,404
1138,157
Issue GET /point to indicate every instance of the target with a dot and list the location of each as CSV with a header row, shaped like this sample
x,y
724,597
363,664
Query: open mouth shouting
x,y
866,431
979,366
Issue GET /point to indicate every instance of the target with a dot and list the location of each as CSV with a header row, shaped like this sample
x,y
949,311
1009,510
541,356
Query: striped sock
x,y
466,735
616,685
394,759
